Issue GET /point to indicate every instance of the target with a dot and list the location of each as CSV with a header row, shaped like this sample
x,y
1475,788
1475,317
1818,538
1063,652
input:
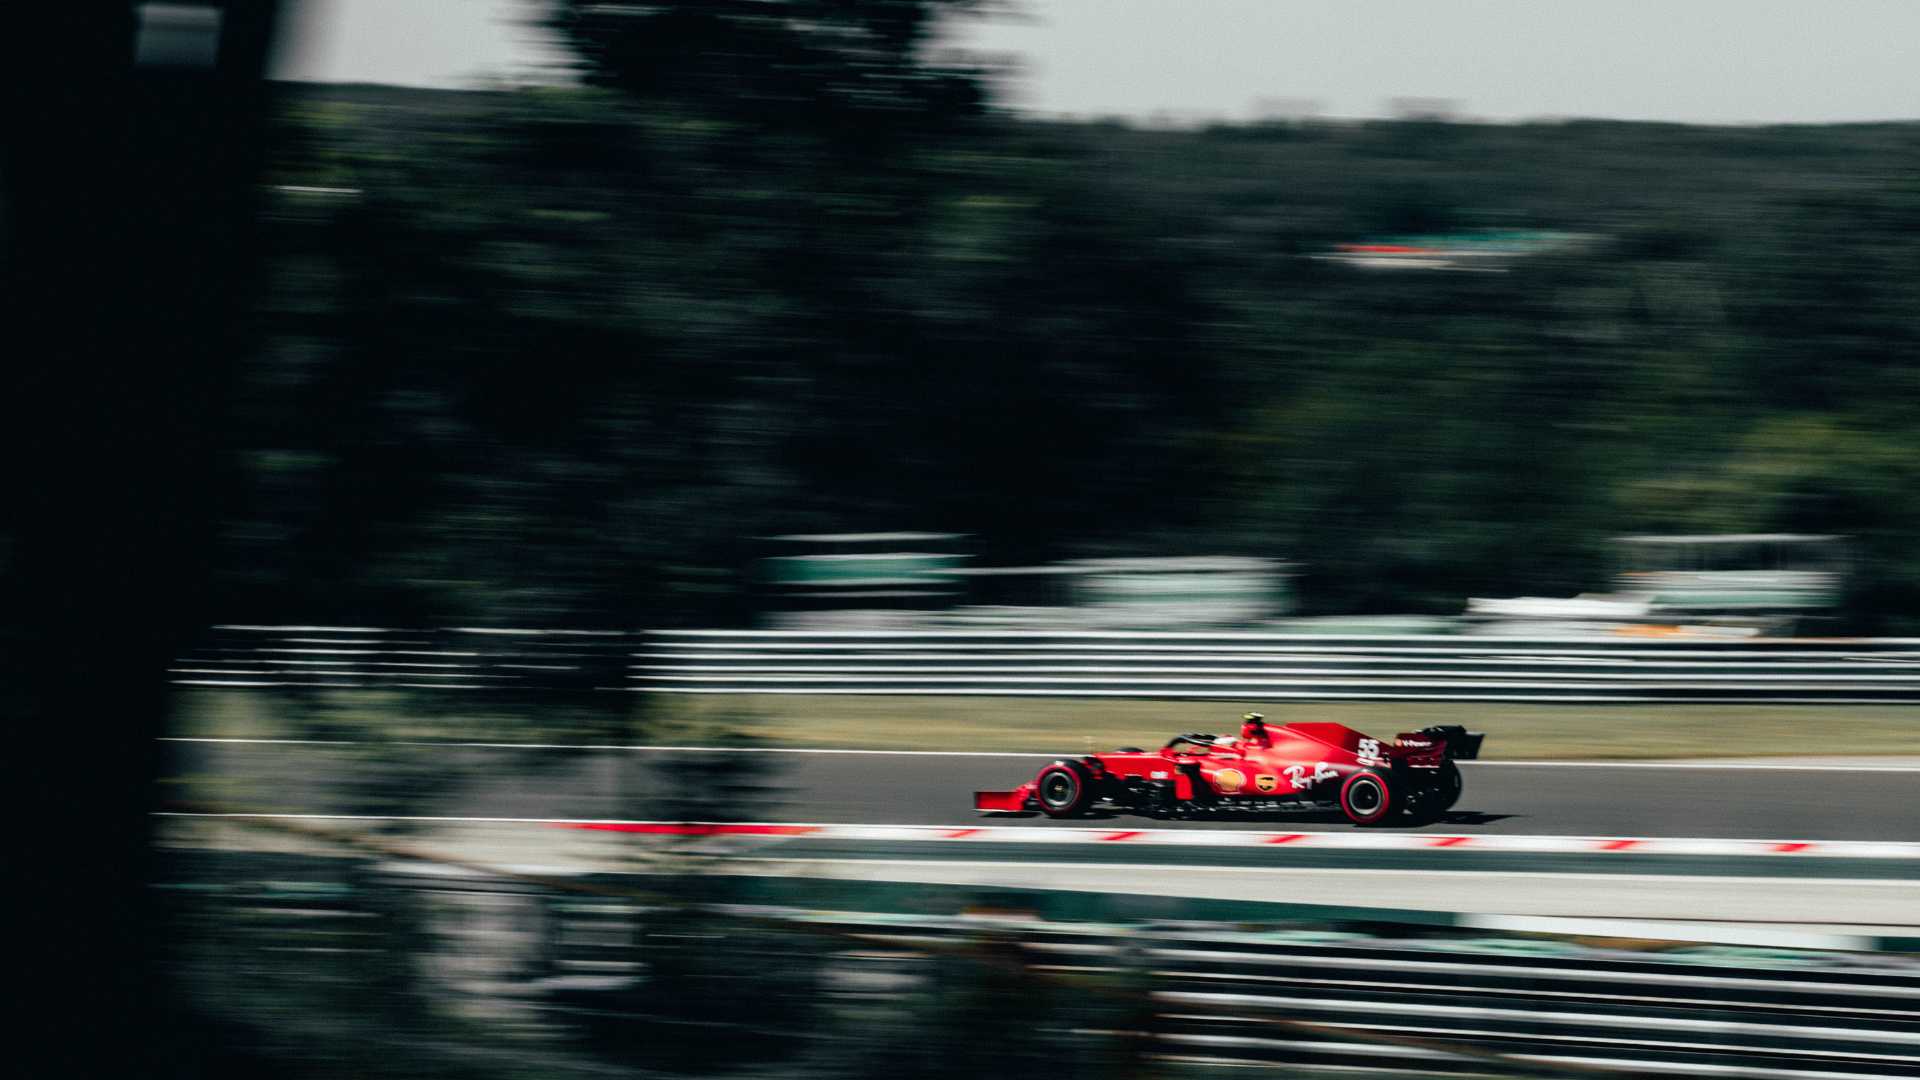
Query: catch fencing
x,y
1241,666
574,956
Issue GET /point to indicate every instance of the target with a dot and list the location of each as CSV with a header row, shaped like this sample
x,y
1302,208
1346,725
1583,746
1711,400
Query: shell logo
x,y
1230,780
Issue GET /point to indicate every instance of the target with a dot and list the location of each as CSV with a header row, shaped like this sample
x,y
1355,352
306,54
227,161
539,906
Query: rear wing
x,y
1461,744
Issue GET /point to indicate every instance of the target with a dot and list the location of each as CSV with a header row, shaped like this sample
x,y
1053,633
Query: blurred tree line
x,y
555,356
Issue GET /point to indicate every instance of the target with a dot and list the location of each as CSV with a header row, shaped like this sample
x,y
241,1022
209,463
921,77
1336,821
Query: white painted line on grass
x,y
643,748
240,816
1029,754
1723,765
1666,929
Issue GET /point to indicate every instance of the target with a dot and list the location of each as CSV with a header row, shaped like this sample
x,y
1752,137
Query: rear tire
x,y
1447,792
1431,803
1366,798
1063,789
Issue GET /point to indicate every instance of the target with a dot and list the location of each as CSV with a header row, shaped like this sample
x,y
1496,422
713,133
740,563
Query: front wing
x,y
1004,802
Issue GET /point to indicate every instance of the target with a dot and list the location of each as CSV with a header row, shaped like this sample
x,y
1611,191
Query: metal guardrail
x,y
1247,997
1373,996
365,657
1255,666
1269,666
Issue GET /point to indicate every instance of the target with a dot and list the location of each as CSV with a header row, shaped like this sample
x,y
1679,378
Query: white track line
x,y
1517,876
1450,640
1189,838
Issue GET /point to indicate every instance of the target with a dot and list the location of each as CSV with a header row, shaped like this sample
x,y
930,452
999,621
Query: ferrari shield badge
x,y
1266,782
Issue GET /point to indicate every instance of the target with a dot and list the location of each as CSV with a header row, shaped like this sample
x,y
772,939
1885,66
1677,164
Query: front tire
x,y
1366,799
1063,790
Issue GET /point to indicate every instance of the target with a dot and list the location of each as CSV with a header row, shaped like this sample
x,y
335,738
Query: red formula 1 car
x,y
1294,766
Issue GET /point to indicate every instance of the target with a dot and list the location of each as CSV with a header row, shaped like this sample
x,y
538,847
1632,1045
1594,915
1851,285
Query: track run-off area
x,y
1767,848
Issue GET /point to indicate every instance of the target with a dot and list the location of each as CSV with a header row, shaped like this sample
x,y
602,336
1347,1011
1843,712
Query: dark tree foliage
x,y
571,350
857,68
568,351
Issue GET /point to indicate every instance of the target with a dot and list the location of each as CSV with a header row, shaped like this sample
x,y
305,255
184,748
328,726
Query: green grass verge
x,y
1514,732
1050,725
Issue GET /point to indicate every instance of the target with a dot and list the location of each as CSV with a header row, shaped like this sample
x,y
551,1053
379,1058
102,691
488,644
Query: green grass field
x,y
1048,725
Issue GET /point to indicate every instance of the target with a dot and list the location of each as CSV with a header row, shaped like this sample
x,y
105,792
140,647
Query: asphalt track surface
x,y
1626,800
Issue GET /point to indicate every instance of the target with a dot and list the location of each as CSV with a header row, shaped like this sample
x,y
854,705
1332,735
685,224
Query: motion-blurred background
x,y
419,405
560,355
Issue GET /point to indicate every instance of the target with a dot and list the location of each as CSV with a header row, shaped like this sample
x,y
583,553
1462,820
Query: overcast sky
x,y
1710,61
